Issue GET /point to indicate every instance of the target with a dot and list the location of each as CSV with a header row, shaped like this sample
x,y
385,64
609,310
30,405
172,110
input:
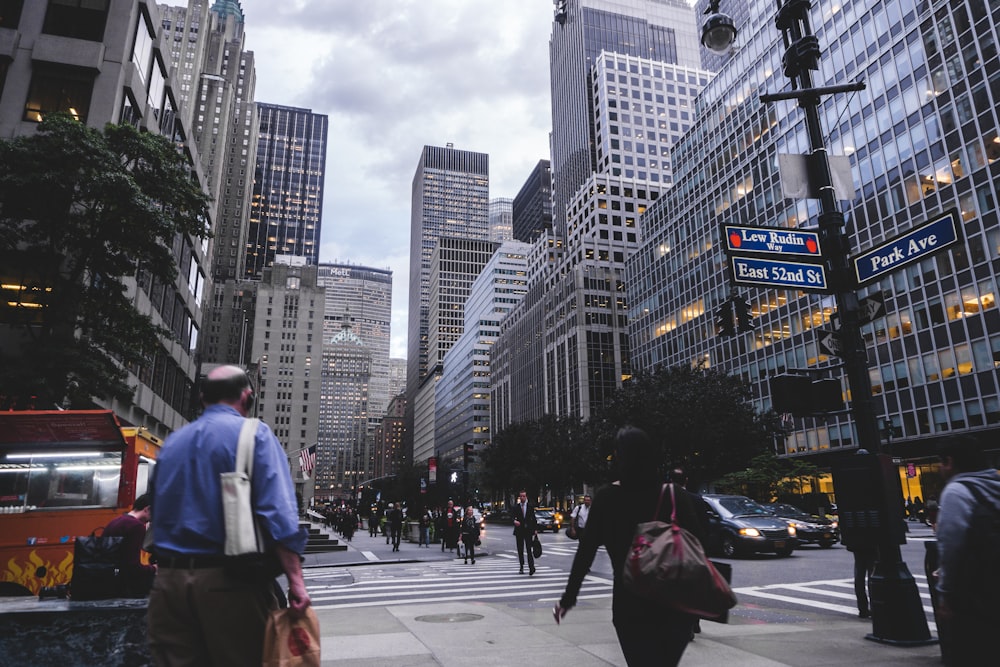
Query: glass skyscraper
x,y
450,198
660,30
287,204
922,140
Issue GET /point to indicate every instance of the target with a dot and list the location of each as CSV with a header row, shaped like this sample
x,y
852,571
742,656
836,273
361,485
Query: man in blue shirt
x,y
201,612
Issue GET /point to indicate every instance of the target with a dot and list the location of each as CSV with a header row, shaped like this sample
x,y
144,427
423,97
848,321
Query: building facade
x,y
287,349
106,62
462,401
638,110
450,197
659,30
922,140
361,296
286,207
501,219
532,207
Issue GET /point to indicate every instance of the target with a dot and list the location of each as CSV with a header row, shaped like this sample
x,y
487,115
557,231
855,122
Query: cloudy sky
x,y
393,76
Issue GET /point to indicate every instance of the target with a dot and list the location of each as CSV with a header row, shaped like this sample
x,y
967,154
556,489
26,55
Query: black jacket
x,y
529,524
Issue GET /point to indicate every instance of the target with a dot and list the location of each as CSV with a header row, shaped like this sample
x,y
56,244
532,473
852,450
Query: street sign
x,y
771,240
793,275
871,308
829,342
907,248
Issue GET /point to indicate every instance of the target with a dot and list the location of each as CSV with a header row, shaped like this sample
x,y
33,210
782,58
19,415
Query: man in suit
x,y
525,529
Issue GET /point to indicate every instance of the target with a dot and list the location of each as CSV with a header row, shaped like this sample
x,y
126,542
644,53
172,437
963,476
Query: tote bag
x,y
666,564
237,505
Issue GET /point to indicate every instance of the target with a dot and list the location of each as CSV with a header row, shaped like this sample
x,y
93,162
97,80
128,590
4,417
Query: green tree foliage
x,y
701,419
558,452
768,478
81,211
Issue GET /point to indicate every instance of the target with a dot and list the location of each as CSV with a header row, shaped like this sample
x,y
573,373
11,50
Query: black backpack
x,y
97,571
975,585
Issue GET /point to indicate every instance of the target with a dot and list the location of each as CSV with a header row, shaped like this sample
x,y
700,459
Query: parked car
x,y
738,526
809,529
548,519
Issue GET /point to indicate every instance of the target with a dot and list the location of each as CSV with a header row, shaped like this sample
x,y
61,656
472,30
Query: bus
x,y
63,473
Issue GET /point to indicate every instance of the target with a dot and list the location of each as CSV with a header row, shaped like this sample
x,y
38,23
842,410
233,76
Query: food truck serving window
x,y
59,479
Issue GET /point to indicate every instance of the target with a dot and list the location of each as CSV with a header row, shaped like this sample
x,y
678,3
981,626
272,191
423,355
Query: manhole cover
x,y
449,618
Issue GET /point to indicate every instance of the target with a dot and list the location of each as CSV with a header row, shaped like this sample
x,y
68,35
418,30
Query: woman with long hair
x,y
649,634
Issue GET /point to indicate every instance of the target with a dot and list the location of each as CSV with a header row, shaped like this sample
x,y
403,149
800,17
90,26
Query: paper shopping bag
x,y
291,642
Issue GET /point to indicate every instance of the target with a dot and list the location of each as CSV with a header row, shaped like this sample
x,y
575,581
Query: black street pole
x,y
897,612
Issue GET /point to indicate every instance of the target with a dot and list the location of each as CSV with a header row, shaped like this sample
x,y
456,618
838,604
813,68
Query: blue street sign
x,y
910,247
771,240
793,275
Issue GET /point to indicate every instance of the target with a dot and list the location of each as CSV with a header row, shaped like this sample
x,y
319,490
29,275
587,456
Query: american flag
x,y
307,461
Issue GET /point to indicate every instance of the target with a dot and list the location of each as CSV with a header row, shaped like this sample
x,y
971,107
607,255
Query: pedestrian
x,y
201,609
373,522
525,530
931,511
395,525
442,528
865,556
470,534
917,510
423,528
137,578
453,522
579,516
648,633
968,538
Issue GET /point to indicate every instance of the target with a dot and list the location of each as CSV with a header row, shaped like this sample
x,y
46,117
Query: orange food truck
x,y
63,474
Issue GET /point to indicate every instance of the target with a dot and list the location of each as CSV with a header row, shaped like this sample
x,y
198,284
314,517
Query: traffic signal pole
x,y
897,612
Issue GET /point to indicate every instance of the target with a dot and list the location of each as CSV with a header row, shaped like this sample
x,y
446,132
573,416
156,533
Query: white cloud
x,y
393,77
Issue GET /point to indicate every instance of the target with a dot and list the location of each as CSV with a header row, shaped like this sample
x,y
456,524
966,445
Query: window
x,y
81,19
58,88
10,13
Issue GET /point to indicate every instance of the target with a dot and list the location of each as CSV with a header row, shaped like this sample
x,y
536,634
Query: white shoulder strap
x,y
245,447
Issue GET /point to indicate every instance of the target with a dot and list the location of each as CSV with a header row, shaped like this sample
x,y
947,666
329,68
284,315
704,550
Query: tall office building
x,y
397,376
462,400
658,30
345,452
105,63
287,349
455,265
501,219
637,109
450,197
923,140
287,204
217,79
361,297
532,207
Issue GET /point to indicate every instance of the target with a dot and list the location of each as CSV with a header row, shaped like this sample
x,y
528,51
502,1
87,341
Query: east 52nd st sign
x,y
907,248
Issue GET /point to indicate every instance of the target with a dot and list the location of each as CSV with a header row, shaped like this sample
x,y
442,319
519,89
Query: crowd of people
x,y
188,623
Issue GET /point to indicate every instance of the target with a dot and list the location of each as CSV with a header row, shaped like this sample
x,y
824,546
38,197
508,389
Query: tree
x,y
768,478
81,212
701,419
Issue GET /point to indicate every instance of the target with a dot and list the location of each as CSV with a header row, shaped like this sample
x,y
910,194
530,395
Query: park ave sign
x,y
907,248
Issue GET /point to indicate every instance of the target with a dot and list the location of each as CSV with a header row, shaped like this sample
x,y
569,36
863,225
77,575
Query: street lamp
x,y
718,33
898,616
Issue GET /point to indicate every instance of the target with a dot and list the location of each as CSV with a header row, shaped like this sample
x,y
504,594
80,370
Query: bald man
x,y
201,611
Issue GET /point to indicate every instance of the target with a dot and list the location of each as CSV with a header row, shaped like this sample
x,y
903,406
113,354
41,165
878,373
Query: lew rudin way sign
x,y
760,256
907,248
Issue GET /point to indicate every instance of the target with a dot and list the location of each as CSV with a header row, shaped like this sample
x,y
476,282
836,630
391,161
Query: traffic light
x,y
724,319
744,318
468,454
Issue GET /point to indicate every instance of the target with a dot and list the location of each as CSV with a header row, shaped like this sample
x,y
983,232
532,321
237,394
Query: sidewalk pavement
x,y
480,633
